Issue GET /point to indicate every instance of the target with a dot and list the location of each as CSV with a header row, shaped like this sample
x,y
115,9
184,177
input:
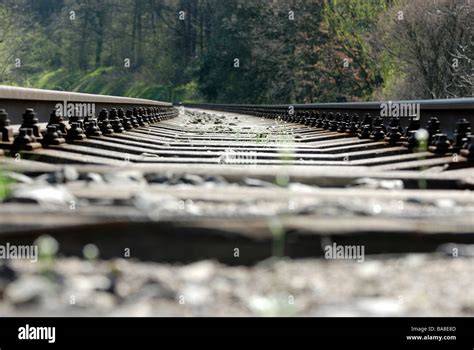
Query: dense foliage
x,y
240,50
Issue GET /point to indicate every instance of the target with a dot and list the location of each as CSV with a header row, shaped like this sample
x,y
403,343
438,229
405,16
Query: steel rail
x,y
14,99
440,104
448,111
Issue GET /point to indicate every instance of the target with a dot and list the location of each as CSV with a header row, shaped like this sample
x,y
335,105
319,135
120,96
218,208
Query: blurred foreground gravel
x,y
408,285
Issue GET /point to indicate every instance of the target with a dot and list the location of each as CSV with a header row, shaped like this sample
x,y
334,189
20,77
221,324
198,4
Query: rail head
x,y
30,94
440,104
16,99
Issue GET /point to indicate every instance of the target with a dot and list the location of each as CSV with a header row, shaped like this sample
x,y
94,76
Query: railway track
x,y
237,183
